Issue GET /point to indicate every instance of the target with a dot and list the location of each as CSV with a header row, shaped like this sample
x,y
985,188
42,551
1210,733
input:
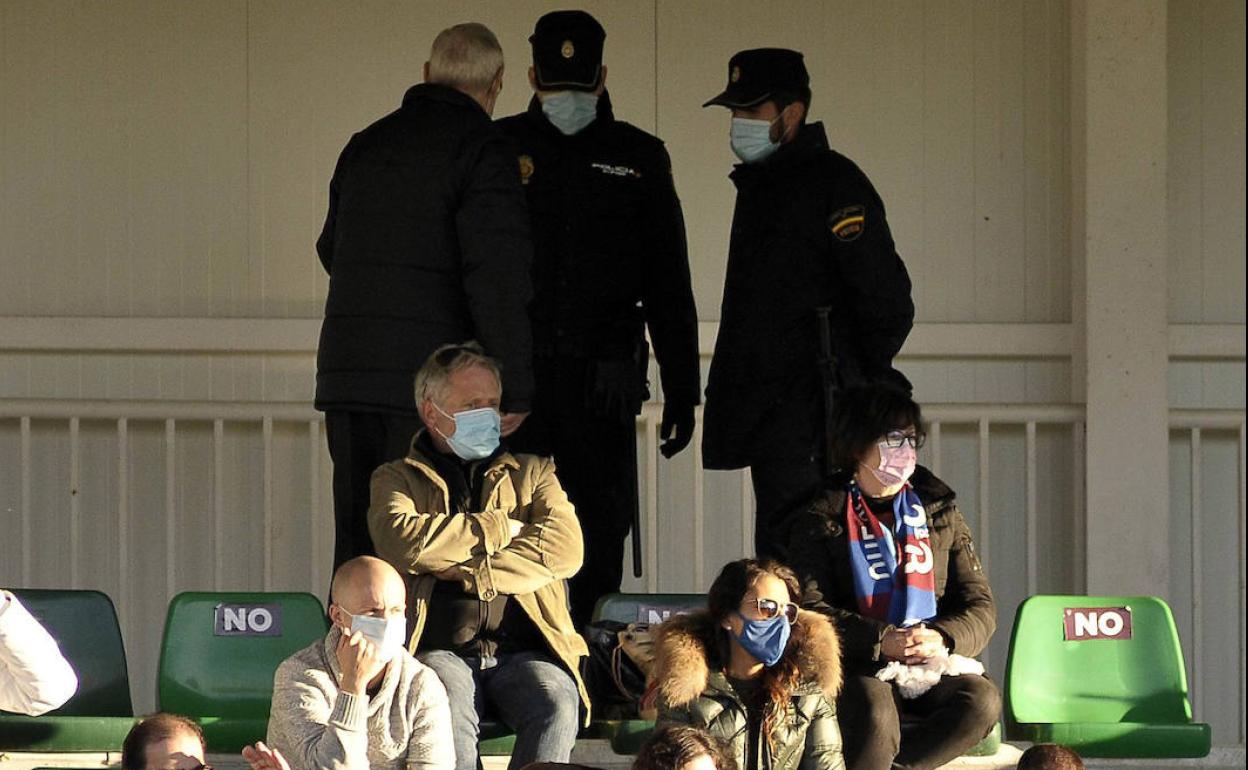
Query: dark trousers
x,y
956,714
782,489
596,463
358,443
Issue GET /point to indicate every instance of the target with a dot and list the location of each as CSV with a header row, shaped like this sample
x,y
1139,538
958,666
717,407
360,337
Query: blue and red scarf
x,y
892,568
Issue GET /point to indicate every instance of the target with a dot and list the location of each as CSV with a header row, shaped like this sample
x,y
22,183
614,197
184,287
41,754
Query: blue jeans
x,y
528,691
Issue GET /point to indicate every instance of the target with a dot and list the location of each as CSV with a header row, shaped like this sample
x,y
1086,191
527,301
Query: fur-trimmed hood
x,y
681,669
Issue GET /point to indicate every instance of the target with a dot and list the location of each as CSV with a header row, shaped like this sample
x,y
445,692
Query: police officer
x,y
609,256
808,232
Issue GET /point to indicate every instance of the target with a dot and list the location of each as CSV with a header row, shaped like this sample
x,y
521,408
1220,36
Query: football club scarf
x,y
892,567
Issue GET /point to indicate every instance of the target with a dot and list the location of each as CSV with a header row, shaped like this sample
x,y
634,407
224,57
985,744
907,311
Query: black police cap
x,y
567,51
759,73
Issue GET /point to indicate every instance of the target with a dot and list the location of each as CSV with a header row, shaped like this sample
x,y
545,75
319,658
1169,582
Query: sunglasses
x,y
770,609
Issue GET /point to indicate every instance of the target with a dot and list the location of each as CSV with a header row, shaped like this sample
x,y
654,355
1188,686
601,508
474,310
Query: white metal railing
x,y
983,418
1196,423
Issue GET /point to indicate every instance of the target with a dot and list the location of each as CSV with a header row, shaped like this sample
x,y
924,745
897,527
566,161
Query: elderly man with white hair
x,y
426,242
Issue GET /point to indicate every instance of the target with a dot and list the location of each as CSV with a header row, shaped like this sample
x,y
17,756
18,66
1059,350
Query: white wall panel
x,y
177,164
1206,185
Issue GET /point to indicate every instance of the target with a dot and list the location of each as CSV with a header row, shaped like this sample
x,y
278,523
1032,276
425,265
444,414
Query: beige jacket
x,y
412,528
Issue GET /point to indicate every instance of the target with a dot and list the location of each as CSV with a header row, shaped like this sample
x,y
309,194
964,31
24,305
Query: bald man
x,y
356,699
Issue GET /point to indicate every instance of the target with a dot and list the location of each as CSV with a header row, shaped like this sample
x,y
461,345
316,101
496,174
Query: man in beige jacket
x,y
486,539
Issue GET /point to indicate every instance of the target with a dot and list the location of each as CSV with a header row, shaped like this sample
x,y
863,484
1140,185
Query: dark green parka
x,y
690,692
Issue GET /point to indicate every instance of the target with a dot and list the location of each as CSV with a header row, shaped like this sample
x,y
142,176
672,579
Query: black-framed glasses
x,y
770,608
894,439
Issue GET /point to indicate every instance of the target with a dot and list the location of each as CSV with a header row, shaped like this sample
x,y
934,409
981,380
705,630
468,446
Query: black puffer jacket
x,y
426,242
808,231
608,235
966,613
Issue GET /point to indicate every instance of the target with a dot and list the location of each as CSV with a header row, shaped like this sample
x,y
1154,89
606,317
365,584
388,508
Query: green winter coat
x,y
689,692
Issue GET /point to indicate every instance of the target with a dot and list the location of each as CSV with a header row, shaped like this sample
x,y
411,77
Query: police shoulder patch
x,y
848,223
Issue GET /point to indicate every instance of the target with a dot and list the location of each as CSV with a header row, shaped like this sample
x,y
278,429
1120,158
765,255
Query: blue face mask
x,y
476,433
570,111
751,139
764,640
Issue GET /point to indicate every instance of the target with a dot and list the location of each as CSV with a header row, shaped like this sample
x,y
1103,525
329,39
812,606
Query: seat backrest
x,y
1052,680
220,650
84,625
646,608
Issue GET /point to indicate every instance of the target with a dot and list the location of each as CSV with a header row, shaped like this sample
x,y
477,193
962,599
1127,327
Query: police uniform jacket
x,y
426,242
608,234
808,231
966,612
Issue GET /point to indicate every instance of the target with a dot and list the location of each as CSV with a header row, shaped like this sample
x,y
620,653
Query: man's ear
x,y
533,78
425,72
792,117
602,81
427,413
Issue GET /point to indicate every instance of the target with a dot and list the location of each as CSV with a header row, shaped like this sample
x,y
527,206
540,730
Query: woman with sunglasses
x,y
887,555
754,670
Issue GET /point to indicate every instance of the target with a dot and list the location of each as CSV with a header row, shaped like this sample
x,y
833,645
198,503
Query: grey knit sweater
x,y
405,726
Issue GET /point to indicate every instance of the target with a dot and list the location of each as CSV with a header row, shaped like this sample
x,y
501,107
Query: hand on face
x,y
360,661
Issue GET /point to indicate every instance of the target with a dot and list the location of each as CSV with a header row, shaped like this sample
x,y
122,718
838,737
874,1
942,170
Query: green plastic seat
x,y
1102,697
225,682
84,625
645,608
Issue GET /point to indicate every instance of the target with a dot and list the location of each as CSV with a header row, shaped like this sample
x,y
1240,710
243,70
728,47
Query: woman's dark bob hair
x,y
861,414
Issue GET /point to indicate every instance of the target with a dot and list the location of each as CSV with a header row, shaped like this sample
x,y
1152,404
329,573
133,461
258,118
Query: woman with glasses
x,y
886,554
754,670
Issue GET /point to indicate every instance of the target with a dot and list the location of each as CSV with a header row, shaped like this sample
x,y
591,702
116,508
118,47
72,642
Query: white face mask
x,y
570,111
388,634
751,139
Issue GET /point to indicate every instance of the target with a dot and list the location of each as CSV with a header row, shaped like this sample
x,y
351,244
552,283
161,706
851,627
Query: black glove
x,y
613,391
676,430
